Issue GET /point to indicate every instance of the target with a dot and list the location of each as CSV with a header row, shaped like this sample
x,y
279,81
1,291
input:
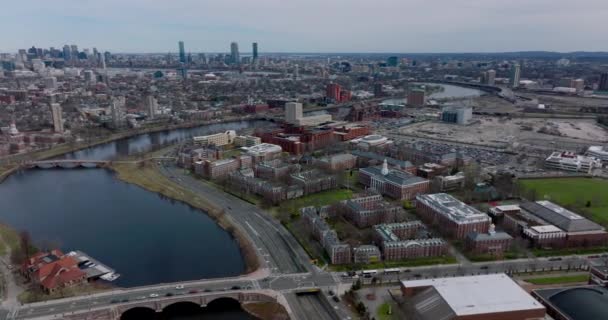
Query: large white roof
x,y
479,294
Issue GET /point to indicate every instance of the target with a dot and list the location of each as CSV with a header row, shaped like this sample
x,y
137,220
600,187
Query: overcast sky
x,y
307,25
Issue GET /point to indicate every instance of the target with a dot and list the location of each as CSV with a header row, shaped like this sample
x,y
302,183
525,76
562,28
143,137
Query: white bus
x,y
391,270
369,273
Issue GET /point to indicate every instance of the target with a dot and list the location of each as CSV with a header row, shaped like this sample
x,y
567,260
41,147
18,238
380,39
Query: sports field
x,y
577,192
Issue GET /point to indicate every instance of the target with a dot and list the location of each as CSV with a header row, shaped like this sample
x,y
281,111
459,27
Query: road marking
x,y
252,229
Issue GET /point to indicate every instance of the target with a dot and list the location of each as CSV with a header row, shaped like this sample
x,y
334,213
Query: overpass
x,y
81,163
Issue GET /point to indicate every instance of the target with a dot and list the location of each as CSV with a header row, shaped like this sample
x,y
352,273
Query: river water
x,y
449,91
146,238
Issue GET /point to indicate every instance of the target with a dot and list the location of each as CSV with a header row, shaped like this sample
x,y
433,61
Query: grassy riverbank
x,y
146,174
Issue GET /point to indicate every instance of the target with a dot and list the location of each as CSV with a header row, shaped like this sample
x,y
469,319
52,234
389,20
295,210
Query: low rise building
x,y
598,152
53,271
500,211
492,243
313,181
487,297
568,161
450,183
369,209
247,141
272,170
337,162
411,249
393,183
220,169
579,230
263,152
574,303
339,253
218,139
430,170
365,254
452,217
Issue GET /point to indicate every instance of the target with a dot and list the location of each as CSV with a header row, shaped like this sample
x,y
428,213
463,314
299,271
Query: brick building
x,y
452,217
337,162
53,271
492,243
313,181
339,253
369,209
393,183
411,249
365,254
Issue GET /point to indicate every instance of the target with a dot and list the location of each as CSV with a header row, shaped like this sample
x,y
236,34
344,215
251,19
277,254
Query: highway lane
x,y
310,307
280,250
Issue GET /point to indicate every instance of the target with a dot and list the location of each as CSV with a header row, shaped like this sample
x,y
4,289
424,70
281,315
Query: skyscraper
x,y
182,52
67,54
515,75
603,85
255,51
234,53
117,110
57,119
151,106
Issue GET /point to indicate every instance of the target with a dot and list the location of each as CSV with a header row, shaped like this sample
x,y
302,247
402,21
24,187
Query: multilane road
x,y
288,265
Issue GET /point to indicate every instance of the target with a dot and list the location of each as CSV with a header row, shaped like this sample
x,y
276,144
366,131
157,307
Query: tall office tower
x,y
515,75
392,61
255,51
490,77
107,56
74,50
57,118
202,58
293,112
50,83
182,52
234,53
66,53
117,110
603,85
296,72
151,106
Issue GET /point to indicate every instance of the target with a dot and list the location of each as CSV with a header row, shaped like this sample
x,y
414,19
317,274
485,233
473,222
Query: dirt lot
x,y
502,132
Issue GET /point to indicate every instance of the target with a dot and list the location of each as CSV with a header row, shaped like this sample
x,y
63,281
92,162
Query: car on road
x,y
193,291
336,299
169,294
140,298
555,259
114,301
207,290
235,288
331,293
178,287
153,295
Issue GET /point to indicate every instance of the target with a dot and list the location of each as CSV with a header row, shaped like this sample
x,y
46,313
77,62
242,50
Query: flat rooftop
x,y
480,294
452,208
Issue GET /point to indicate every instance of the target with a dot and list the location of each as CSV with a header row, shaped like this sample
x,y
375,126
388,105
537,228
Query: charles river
x,y
146,238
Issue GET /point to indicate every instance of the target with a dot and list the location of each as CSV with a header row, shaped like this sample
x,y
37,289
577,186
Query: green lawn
x,y
395,264
558,280
10,238
574,192
383,312
568,251
316,199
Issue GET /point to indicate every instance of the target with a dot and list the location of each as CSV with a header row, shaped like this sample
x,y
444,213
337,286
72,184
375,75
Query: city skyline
x,y
379,26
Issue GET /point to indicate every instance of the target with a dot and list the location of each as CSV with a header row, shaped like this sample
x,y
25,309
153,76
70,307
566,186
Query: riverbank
x,y
9,164
146,175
